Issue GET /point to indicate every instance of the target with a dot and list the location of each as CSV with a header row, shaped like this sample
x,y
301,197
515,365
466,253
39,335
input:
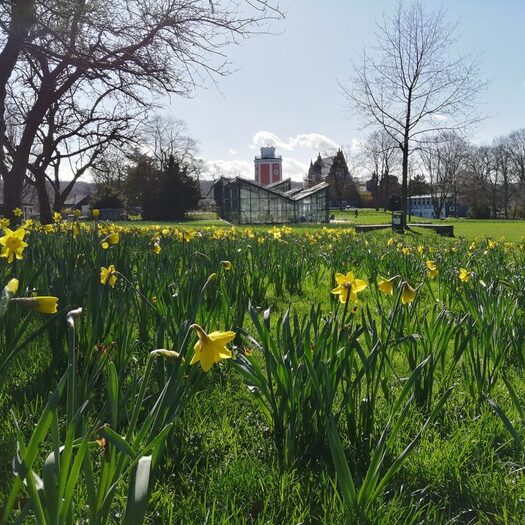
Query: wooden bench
x,y
363,228
441,229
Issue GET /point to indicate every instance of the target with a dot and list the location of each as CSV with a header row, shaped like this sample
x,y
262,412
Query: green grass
x,y
223,461
463,228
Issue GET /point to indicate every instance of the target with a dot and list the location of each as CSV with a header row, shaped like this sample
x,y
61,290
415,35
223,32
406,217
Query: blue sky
x,y
285,90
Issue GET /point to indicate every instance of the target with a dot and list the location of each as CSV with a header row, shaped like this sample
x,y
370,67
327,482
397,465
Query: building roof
x,y
75,199
289,195
309,191
278,183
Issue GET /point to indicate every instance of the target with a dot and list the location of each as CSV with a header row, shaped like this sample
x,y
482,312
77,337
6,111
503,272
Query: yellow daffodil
x,y
41,304
464,275
4,222
95,213
211,348
108,275
432,270
76,214
226,265
57,216
348,287
109,240
9,290
155,248
12,286
17,212
408,294
13,244
46,304
387,285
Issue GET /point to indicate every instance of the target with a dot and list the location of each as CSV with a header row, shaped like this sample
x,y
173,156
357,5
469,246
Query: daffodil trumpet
x,y
211,348
41,304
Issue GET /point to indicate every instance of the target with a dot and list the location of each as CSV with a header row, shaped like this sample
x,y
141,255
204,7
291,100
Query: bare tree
x,y
133,48
381,154
444,158
475,189
166,137
412,85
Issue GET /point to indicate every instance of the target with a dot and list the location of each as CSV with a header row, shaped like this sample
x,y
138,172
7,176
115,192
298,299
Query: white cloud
x,y
305,146
312,141
267,138
294,169
439,117
228,168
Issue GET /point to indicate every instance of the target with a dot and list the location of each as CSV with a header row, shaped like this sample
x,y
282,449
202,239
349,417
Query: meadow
x,y
499,229
209,374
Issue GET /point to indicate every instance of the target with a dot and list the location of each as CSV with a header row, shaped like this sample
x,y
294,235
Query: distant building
x,y
243,201
268,167
421,206
77,202
323,167
334,171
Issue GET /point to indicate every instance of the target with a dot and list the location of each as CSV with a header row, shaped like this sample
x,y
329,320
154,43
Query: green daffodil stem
x,y
345,310
72,365
140,398
142,296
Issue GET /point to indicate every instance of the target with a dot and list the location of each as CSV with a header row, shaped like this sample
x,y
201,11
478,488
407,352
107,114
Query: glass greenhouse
x,y
243,201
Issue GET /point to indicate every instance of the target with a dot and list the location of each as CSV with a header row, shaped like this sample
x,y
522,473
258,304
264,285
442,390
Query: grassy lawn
x,y
415,395
464,228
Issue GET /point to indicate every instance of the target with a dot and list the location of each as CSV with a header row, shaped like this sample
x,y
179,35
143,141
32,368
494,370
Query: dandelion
x,y
387,285
17,212
464,275
432,270
13,244
408,294
108,275
211,348
348,287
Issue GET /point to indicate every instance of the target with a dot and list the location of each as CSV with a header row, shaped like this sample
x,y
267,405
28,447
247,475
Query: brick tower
x,y
268,167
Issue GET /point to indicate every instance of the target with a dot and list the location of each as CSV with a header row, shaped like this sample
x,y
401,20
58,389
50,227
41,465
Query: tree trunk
x,y
22,19
404,183
12,197
46,216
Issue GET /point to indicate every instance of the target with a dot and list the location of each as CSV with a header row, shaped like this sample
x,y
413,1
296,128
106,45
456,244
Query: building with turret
x,y
268,167
334,171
